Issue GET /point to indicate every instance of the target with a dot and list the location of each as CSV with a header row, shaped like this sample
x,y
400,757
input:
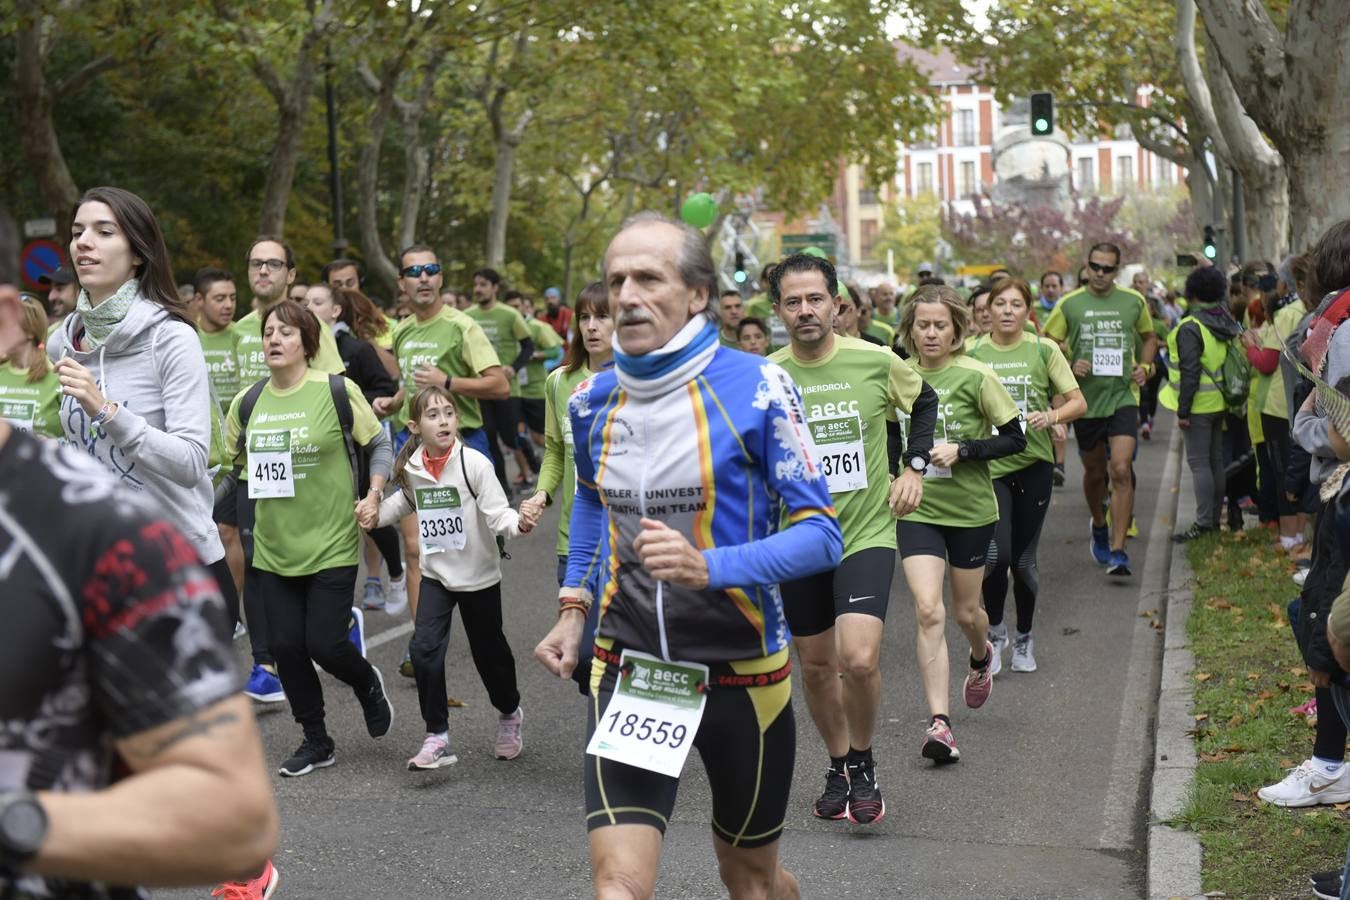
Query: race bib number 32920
x,y
654,714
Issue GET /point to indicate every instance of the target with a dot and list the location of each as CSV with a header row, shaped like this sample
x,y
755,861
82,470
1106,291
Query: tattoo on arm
x,y
194,725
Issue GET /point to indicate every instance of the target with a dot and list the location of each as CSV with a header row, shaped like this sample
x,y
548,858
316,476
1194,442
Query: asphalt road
x,y
1048,800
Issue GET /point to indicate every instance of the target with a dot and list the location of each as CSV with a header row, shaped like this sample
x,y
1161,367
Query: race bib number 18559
x,y
651,719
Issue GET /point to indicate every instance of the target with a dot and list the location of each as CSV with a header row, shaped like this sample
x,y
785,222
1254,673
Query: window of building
x,y
1164,171
1087,170
924,178
965,184
965,128
867,235
1124,173
867,197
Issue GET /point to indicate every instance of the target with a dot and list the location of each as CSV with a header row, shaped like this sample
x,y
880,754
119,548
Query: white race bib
x,y
838,445
651,720
778,333
1108,355
19,413
523,377
440,520
271,472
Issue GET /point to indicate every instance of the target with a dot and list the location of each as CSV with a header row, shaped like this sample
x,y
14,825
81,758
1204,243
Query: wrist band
x,y
105,413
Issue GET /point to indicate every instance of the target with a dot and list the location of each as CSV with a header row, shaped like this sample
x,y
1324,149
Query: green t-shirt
x,y
252,363
316,529
1285,321
453,343
971,401
1102,331
558,472
222,363
1032,371
545,339
881,331
762,308
848,396
892,320
36,407
725,341
505,329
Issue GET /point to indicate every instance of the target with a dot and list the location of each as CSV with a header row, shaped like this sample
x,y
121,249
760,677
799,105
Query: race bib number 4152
x,y
654,714
19,413
271,472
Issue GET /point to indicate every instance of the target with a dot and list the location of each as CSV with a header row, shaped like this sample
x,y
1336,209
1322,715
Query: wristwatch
x,y
23,828
962,451
918,464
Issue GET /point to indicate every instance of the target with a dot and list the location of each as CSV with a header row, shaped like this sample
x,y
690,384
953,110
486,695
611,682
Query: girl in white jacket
x,y
460,512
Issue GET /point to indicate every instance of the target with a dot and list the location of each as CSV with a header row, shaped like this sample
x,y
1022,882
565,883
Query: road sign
x,y
37,259
984,269
796,243
39,228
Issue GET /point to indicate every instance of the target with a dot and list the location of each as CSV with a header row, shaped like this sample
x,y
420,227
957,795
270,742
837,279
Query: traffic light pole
x,y
1239,219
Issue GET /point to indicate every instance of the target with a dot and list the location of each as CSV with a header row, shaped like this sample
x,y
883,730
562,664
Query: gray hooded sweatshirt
x,y
152,367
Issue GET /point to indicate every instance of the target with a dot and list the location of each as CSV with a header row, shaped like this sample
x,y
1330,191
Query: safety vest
x,y
1208,396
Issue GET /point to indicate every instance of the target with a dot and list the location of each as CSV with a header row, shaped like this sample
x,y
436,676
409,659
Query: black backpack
x,y
356,454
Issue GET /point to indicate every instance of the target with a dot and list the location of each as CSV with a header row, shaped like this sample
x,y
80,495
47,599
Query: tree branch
x,y
73,82
1197,88
1251,49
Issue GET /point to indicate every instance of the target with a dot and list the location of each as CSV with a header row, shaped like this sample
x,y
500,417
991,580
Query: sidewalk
x,y
1174,854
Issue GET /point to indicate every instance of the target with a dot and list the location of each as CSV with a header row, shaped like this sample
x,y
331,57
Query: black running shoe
x,y
1195,531
833,804
377,708
1059,475
314,753
865,806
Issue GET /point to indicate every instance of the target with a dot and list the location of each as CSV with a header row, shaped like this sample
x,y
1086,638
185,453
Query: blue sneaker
x,y
264,686
356,632
1101,544
1120,563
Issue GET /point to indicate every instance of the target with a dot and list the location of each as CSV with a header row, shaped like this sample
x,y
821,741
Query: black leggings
x,y
1329,738
482,614
308,617
220,570
1023,500
387,541
501,421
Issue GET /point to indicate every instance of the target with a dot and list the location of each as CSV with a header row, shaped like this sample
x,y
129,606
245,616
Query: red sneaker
x,y
259,888
980,682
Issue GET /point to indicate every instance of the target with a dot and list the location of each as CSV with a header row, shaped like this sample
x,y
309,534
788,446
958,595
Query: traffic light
x,y
740,276
1211,245
1042,113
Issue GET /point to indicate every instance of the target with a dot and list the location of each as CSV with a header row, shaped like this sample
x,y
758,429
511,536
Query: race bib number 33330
x,y
440,520
651,719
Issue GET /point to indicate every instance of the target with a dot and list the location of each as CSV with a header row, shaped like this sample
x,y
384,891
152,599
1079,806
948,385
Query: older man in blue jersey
x,y
697,452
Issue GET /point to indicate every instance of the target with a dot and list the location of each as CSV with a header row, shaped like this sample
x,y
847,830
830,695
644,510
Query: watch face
x,y
916,463
24,826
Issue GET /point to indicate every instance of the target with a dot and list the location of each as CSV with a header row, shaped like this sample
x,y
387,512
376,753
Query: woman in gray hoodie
x,y
135,390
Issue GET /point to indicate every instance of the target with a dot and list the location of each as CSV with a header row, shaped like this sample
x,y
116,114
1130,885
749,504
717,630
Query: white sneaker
x,y
1309,785
396,598
1022,658
999,638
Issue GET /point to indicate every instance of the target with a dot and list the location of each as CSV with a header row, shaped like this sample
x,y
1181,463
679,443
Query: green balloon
x,y
815,251
699,210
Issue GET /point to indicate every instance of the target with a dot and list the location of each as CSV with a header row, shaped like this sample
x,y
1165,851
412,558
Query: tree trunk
x,y
286,151
37,133
1317,179
378,265
501,200
417,160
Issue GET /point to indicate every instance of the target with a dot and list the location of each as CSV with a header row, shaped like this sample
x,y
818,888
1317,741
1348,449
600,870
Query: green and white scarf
x,y
99,321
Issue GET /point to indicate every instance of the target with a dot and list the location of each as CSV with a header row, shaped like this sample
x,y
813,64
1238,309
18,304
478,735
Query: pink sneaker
x,y
259,888
435,754
939,745
1308,708
509,743
980,682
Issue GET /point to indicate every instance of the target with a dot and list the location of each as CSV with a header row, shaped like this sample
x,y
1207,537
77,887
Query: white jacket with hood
x,y
152,367
478,565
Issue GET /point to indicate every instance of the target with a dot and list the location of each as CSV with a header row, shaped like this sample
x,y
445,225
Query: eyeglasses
x,y
1104,270
815,301
416,271
274,265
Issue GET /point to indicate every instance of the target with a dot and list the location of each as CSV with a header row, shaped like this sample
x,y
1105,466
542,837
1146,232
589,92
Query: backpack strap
x,y
342,403
464,470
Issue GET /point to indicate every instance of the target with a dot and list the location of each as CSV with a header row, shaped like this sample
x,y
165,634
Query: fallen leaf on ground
x,y
1203,676
1200,717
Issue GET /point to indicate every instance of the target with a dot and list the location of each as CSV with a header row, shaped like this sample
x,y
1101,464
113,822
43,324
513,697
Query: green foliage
x,y
1247,677
911,229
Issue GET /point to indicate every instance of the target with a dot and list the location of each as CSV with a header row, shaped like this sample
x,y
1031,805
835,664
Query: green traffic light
x,y
739,277
1211,251
1042,126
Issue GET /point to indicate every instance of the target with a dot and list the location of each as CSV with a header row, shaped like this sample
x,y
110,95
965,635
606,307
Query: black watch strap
x,y
23,828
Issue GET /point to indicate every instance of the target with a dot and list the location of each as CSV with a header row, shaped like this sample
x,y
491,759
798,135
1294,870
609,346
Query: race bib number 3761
x,y
654,714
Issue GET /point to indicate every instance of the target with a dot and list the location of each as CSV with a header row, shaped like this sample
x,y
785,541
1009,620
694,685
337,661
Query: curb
x,y
1174,854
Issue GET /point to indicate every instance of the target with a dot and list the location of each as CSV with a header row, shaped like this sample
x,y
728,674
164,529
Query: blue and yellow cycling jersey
x,y
713,443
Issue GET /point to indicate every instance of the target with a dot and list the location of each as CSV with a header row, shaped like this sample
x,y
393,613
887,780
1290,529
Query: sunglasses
x,y
1104,270
416,271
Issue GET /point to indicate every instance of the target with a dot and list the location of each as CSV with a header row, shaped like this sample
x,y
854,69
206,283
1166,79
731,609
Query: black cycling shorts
x,y
747,741
1124,422
962,548
237,508
532,409
861,584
